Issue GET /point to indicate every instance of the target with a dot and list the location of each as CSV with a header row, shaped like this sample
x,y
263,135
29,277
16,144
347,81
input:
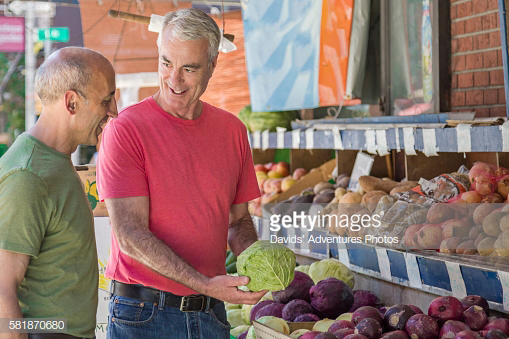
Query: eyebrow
x,y
110,95
193,65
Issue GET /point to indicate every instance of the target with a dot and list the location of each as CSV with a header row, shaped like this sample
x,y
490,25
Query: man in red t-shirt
x,y
176,174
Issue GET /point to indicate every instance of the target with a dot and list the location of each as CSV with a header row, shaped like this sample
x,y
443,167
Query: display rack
x,y
428,271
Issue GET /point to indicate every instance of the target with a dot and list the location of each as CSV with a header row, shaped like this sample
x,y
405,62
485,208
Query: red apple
x,y
260,168
281,168
298,173
276,185
287,183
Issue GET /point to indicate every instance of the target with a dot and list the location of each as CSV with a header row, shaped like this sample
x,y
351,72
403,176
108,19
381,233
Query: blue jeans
x,y
134,319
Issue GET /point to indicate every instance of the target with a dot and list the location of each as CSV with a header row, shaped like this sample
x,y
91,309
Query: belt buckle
x,y
185,299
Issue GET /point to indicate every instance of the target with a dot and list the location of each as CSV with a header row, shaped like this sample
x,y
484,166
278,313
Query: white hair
x,y
61,72
192,24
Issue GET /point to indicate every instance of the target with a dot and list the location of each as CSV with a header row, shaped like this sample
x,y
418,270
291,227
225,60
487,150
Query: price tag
x,y
396,132
249,140
463,138
412,269
310,138
505,136
430,142
504,281
343,254
457,283
381,142
256,139
370,141
362,166
338,142
265,139
296,138
280,137
409,140
384,263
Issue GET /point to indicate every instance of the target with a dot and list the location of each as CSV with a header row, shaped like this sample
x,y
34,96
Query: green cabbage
x,y
323,325
234,317
251,333
268,266
239,330
303,269
298,333
229,306
260,121
246,313
324,269
275,323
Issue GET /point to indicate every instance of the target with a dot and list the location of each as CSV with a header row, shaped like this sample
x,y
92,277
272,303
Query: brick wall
x,y
137,50
477,68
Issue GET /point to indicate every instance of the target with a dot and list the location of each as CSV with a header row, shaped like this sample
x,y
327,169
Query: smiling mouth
x,y
176,92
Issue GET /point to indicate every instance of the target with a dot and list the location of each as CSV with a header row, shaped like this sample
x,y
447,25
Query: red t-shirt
x,y
192,170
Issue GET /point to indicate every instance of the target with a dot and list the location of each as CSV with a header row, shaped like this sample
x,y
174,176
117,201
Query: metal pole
x,y
30,117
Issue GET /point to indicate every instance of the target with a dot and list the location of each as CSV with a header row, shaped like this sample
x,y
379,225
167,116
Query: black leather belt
x,y
189,303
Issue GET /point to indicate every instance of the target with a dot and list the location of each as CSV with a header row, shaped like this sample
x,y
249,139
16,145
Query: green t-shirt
x,y
45,213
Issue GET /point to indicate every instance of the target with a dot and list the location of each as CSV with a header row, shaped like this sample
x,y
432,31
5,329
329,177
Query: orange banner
x,y
335,33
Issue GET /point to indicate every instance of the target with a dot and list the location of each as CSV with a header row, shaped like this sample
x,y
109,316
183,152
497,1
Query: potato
x,y
479,238
482,211
486,246
343,182
449,245
321,186
373,202
504,222
499,248
339,192
369,183
368,195
464,246
438,213
474,232
491,224
351,198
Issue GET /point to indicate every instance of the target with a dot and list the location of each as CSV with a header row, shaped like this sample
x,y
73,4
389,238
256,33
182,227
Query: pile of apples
x,y
273,179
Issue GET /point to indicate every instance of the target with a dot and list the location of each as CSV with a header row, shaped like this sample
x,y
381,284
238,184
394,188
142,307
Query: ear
x,y
214,63
71,101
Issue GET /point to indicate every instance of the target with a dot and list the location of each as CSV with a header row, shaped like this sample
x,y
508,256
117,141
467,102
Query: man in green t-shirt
x,y
48,254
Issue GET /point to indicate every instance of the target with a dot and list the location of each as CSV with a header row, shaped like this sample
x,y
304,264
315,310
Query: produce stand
x,y
427,271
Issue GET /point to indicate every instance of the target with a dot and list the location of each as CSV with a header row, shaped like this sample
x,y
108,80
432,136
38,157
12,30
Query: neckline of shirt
x,y
46,147
181,121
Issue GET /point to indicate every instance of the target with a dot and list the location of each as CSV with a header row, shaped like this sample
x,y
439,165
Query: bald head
x,y
70,68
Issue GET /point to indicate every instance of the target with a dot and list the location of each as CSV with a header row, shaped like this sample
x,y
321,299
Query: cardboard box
x,y
87,176
322,173
265,332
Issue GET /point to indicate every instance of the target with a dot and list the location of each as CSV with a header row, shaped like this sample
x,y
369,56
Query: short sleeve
x,y
121,166
247,186
25,210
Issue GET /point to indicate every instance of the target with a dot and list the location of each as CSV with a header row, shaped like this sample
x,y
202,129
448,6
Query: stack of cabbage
x,y
320,293
261,121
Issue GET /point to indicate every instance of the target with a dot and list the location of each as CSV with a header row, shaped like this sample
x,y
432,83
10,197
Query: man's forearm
x,y
9,309
146,248
241,234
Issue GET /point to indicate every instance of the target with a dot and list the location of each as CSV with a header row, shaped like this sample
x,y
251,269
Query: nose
x,y
113,111
175,77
